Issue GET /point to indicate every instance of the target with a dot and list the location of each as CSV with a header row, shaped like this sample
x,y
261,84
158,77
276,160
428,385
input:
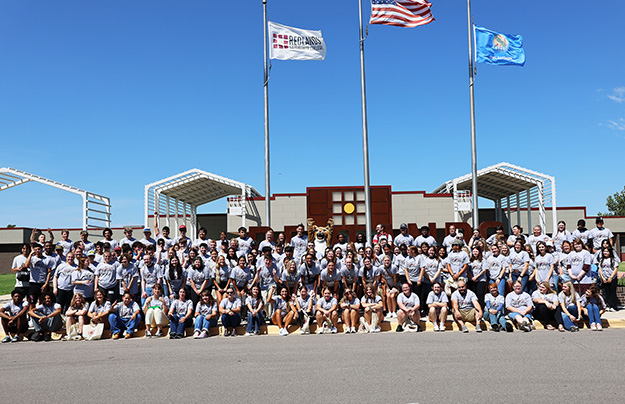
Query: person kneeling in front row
x,y
327,310
437,303
466,307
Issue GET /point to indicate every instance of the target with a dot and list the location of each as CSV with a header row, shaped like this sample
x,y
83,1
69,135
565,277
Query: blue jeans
x,y
566,320
254,321
119,324
498,318
594,315
204,324
513,316
177,327
502,286
149,292
514,276
555,279
232,321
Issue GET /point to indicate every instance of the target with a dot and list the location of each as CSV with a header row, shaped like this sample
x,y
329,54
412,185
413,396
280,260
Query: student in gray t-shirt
x,y
466,307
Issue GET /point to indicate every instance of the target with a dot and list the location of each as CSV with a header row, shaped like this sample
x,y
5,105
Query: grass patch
x,y
621,266
7,283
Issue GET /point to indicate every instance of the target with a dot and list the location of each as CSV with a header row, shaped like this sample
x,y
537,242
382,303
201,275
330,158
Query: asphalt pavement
x,y
391,367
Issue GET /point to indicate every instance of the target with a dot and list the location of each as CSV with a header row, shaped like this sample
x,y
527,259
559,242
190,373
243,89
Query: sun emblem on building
x,y
500,43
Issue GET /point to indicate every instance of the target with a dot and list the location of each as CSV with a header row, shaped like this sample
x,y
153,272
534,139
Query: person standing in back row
x,y
600,233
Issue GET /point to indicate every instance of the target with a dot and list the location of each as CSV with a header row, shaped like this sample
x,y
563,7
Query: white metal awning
x,y
181,194
96,209
508,186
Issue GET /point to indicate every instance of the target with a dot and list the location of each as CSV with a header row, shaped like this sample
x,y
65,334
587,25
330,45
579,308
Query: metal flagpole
x,y
365,131
473,140
266,86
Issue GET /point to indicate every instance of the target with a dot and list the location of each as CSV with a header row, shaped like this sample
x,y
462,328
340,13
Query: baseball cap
x,y
599,220
403,226
90,252
182,226
147,230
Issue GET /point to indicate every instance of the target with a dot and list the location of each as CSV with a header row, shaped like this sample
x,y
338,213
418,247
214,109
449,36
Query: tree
x,y
615,204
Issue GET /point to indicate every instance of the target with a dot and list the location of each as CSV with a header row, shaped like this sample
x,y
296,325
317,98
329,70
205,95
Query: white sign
x,y
288,43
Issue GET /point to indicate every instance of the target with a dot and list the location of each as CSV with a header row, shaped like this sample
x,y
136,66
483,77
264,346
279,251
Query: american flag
x,y
401,13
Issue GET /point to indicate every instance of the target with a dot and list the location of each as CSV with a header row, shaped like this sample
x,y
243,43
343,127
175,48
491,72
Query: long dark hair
x,y
175,271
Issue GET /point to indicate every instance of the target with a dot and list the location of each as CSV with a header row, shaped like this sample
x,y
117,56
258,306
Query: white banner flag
x,y
288,43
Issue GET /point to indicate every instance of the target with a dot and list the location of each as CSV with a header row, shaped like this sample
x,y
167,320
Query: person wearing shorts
x,y
407,307
466,307
327,310
284,312
519,306
13,315
437,307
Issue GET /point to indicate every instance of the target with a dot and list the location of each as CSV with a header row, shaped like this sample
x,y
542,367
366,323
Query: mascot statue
x,y
321,235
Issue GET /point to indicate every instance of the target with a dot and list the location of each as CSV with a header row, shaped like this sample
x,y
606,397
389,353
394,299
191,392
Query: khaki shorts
x,y
467,315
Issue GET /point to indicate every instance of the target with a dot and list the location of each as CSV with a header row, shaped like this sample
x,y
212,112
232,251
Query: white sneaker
x,y
348,330
196,334
320,330
593,327
376,330
334,330
247,334
436,327
302,331
478,328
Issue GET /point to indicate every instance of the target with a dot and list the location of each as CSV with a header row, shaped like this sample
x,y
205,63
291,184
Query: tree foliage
x,y
615,204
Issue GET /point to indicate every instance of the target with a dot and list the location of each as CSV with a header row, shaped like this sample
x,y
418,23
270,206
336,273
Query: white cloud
x,y
619,124
618,95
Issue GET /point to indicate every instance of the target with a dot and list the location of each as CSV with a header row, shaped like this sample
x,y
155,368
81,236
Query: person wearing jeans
x,y
230,309
205,315
494,312
254,303
180,315
571,307
124,316
594,306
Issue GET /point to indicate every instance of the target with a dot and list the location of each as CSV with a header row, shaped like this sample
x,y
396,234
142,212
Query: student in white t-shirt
x,y
388,282
155,309
494,312
46,317
571,307
230,310
372,305
466,307
546,306
180,313
327,310
600,233
255,313
519,306
13,315
408,305
124,316
593,306
285,310
76,313
350,304
99,309
305,309
437,306
206,313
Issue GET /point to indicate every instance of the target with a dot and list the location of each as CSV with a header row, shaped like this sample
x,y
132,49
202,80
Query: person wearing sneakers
x,y
76,313
230,309
350,304
255,317
327,312
571,307
494,313
408,305
124,316
519,306
305,309
466,307
388,282
13,316
594,307
180,314
437,303
284,312
155,309
46,318
205,315
372,305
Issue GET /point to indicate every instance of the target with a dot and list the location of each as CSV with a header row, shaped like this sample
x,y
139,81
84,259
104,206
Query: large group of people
x,y
182,283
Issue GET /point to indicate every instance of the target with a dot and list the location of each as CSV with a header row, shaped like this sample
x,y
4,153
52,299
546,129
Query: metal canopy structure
x,y
180,195
510,187
96,209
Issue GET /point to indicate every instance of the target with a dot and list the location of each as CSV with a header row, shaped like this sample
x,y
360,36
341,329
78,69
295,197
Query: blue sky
x,y
110,96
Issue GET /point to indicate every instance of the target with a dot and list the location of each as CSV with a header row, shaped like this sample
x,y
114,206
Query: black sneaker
x,y
574,328
36,337
48,338
172,335
495,327
399,328
509,327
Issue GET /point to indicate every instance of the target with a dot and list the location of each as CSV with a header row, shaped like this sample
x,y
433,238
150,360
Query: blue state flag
x,y
498,49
